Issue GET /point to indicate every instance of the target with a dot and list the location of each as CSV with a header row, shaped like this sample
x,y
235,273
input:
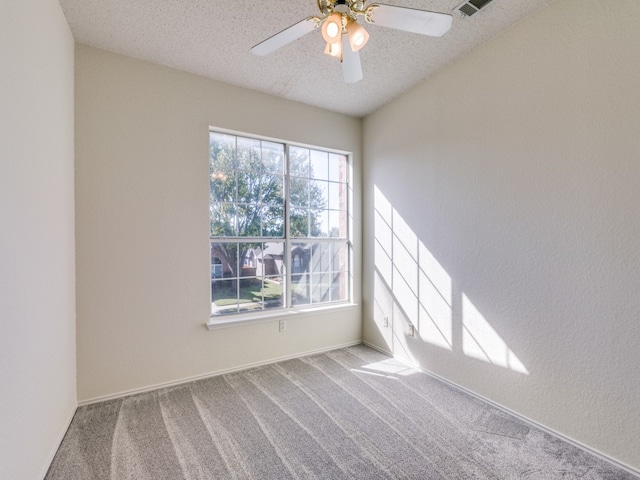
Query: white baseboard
x,y
216,373
382,350
533,423
58,442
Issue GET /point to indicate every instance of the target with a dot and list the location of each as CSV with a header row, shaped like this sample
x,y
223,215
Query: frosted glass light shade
x,y
334,49
358,36
332,28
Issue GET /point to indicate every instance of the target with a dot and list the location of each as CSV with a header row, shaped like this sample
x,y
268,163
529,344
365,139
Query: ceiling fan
x,y
345,37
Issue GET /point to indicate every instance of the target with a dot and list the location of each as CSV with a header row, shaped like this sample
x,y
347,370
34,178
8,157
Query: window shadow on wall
x,y
413,290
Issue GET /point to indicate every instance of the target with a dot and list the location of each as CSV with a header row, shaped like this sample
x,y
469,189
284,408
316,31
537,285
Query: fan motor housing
x,y
341,6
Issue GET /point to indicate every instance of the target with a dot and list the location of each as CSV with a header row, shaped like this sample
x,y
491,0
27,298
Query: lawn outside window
x,y
279,227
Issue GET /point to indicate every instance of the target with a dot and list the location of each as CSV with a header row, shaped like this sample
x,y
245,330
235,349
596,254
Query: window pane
x,y
319,165
314,279
271,189
299,222
299,192
252,303
224,297
337,223
300,258
333,196
337,167
321,288
250,294
249,220
328,270
319,194
339,257
248,155
248,187
339,287
248,258
302,250
319,223
300,290
343,195
222,186
272,218
216,264
226,253
299,161
223,219
271,261
273,292
273,158
222,151
321,257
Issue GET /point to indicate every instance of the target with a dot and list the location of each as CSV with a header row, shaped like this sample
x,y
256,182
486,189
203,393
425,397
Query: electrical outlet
x,y
282,326
386,322
412,330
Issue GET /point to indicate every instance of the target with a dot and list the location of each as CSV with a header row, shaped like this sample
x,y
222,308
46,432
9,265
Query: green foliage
x,y
306,197
246,196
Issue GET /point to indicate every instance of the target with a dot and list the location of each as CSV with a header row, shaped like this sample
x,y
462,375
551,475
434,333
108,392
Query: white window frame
x,y
222,321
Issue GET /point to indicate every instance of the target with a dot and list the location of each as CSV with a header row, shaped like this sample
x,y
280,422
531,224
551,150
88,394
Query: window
x,y
272,205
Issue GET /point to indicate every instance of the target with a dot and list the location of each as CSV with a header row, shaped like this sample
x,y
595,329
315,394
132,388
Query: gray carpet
x,y
347,414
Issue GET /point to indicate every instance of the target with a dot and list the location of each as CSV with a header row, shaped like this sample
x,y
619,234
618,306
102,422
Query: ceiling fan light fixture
x,y
345,38
334,49
332,28
358,36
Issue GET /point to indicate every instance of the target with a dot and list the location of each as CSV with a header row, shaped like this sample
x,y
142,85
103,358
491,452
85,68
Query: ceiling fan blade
x,y
286,36
351,66
411,20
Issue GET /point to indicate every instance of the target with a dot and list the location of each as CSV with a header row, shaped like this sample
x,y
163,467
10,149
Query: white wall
x,y
37,266
501,218
142,224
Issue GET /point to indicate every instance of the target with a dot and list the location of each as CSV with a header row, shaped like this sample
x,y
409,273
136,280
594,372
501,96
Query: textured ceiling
x,y
213,38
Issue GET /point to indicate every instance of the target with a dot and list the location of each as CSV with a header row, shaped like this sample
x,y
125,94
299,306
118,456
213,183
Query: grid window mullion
x,y
287,224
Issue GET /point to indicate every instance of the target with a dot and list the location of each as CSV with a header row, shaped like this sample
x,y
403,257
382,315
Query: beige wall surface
x,y
142,224
501,219
37,266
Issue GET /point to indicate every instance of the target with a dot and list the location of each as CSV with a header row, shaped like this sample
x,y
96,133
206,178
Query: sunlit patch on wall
x,y
382,308
383,237
413,290
481,341
418,285
435,301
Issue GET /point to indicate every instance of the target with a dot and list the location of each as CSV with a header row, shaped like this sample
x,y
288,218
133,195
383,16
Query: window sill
x,y
216,323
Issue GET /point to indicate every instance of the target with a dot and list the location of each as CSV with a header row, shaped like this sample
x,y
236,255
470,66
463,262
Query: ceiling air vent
x,y
471,7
